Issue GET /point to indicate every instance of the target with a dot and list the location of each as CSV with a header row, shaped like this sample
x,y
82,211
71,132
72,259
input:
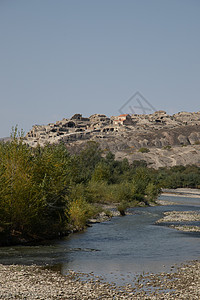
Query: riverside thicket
x,y
46,191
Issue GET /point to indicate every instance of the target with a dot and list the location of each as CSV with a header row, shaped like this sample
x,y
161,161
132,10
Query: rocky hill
x,y
169,140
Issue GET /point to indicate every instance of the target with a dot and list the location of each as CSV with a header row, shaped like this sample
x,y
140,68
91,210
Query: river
x,y
115,249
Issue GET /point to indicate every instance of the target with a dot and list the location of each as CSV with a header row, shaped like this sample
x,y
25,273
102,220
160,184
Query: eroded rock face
x,y
124,133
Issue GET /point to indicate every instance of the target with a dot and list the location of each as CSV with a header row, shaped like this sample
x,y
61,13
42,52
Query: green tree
x,y
33,188
101,172
152,191
88,158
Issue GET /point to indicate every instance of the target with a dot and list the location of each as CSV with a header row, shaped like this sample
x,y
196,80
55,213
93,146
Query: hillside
x,y
171,140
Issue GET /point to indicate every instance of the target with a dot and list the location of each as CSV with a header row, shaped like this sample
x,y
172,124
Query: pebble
x,y
33,282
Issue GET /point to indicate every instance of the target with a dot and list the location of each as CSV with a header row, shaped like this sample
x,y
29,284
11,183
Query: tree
x,y
152,191
89,157
33,188
101,172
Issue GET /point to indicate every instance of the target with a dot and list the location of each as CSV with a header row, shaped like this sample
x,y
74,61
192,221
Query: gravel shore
x,y
186,228
180,216
182,192
33,282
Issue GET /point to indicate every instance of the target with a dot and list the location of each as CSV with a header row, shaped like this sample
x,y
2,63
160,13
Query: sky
x,y
58,58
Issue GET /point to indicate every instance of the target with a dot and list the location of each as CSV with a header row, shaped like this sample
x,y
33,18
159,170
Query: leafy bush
x,y
98,192
167,147
152,191
33,188
122,207
123,192
79,212
101,172
144,150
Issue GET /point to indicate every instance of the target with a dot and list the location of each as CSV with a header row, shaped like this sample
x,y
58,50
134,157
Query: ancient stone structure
x,y
124,134
157,129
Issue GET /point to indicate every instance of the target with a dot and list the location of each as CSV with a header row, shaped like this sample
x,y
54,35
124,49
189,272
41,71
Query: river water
x,y
117,249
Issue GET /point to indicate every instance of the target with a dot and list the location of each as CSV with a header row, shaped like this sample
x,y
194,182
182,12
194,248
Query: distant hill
x,y
169,140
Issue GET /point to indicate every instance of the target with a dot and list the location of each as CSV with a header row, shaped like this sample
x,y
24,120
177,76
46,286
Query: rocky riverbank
x,y
32,282
178,217
186,228
182,192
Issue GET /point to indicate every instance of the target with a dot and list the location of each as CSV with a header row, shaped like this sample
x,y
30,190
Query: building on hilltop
x,y
124,119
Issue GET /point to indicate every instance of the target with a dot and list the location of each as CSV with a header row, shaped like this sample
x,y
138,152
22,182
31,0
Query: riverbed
x,y
32,282
119,249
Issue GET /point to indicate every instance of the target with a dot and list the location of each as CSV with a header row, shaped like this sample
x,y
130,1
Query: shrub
x,y
101,172
152,191
79,213
98,192
167,147
144,150
33,187
122,207
123,191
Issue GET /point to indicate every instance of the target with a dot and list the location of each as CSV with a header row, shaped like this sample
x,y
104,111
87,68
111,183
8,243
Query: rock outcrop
x,y
125,134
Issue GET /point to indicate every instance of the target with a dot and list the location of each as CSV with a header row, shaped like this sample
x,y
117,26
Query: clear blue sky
x,y
60,57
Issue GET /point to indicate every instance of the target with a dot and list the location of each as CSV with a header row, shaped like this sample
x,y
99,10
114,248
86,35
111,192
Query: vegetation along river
x,y
115,249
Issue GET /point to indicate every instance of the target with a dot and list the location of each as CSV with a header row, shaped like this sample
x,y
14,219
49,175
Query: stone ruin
x,y
120,132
